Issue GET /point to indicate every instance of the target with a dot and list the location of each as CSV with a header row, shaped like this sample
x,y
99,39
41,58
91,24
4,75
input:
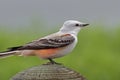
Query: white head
x,y
72,26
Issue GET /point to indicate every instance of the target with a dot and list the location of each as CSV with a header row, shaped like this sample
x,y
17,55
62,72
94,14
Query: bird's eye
x,y
76,24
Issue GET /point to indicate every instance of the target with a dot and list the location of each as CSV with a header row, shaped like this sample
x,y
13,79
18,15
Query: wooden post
x,y
48,72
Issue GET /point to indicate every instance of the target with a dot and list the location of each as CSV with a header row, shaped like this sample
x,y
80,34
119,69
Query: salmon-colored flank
x,y
65,35
46,53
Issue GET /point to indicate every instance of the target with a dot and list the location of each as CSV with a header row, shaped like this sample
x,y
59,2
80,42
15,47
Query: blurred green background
x,y
96,56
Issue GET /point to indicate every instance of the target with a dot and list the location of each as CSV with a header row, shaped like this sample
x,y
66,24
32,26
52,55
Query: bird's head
x,y
72,26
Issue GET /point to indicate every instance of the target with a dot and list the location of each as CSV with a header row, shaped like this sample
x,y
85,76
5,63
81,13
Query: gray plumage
x,y
46,43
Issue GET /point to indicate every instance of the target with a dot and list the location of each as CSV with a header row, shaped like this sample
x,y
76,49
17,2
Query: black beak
x,y
84,24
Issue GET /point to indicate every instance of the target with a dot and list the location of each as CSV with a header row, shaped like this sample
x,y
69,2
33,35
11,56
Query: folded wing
x,y
47,43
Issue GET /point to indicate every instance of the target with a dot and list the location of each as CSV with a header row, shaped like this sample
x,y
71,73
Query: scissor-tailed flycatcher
x,y
51,46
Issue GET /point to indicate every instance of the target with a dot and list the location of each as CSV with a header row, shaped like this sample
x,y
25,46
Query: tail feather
x,y
14,48
7,54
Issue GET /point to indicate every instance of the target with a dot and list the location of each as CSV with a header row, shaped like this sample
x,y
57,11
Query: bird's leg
x,y
52,61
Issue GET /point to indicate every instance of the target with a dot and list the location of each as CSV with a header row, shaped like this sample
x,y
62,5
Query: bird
x,y
52,46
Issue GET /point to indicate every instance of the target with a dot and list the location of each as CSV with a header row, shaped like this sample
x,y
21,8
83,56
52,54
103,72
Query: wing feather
x,y
47,43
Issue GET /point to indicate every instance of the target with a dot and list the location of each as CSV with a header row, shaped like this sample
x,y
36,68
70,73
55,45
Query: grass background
x,y
97,55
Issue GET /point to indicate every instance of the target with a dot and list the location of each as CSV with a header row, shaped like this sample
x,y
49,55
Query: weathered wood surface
x,y
48,72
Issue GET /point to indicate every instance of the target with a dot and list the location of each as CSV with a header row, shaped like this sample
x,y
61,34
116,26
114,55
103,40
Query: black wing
x,y
45,43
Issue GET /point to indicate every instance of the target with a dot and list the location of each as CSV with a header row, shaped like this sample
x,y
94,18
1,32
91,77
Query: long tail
x,y
7,54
